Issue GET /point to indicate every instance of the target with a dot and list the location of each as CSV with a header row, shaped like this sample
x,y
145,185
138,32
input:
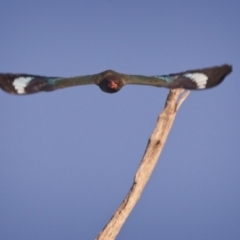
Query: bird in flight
x,y
111,82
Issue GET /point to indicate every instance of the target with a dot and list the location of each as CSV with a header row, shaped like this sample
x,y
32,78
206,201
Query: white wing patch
x,y
20,83
199,78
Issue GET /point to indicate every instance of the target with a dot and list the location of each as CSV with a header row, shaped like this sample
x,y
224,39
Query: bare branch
x,y
149,161
182,98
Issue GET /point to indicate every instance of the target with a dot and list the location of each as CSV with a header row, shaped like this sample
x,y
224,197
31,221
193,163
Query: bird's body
x,y
110,81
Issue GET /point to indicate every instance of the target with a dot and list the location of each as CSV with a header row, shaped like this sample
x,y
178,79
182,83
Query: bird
x,y
110,81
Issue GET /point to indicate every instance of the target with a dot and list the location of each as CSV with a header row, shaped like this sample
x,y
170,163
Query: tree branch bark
x,y
154,147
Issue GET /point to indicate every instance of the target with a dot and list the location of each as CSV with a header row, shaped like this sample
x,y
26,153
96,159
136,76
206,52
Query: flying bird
x,y
111,82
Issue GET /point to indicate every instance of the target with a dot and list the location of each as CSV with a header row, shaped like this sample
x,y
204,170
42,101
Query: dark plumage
x,y
110,81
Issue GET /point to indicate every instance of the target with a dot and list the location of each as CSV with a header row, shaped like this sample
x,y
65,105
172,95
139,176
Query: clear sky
x,y
68,157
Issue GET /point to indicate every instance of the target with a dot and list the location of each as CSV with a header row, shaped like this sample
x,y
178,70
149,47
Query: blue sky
x,y
68,157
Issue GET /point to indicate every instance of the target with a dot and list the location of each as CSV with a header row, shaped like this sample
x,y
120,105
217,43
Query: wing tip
x,y
216,75
200,79
21,84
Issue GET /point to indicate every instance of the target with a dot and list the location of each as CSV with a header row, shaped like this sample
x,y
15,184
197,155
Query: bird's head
x,y
110,81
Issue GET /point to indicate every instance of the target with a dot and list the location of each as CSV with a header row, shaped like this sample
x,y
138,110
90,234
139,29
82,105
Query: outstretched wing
x,y
111,82
26,83
192,79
